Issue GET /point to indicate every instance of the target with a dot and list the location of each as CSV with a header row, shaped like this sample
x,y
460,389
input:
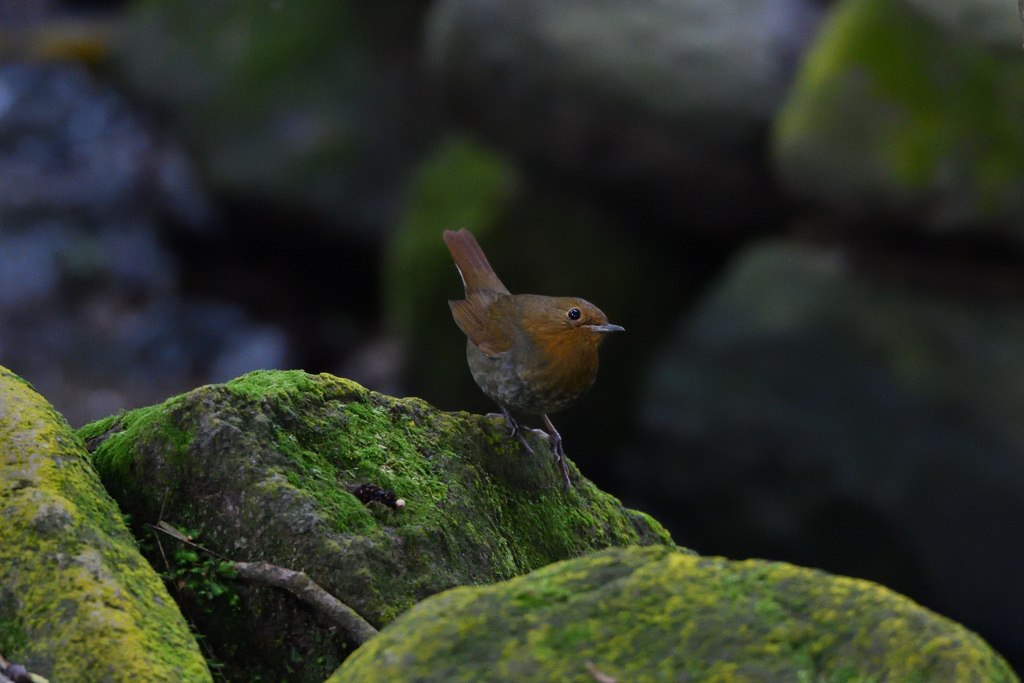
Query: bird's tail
x,y
469,258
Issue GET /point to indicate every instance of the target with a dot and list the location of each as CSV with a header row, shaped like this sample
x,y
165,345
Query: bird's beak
x,y
606,328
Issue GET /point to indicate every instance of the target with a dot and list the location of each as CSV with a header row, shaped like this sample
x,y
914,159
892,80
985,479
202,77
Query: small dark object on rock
x,y
17,673
372,493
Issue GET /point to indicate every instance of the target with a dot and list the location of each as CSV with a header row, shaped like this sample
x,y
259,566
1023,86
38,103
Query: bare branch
x,y
304,588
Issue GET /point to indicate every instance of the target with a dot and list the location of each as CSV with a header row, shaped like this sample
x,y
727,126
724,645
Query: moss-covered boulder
x,y
259,469
656,614
894,116
77,600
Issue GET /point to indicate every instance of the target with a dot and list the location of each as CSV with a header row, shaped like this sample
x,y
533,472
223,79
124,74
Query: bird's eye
x,y
574,314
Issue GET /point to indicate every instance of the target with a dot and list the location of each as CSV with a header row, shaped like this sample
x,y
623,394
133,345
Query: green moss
x,y
13,636
265,383
79,602
655,614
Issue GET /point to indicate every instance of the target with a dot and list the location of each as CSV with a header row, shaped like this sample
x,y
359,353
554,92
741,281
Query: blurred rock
x,y
89,305
895,117
990,22
806,412
461,184
666,99
282,102
72,145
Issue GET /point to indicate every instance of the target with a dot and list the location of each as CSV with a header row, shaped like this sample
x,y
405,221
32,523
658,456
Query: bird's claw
x,y
556,446
553,437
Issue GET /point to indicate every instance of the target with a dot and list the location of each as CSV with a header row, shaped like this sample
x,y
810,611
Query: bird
x,y
529,353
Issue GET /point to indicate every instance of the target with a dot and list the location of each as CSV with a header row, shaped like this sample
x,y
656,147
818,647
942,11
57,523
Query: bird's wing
x,y
471,316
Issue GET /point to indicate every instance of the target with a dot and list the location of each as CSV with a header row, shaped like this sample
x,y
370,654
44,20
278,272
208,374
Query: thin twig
x,y
174,533
166,528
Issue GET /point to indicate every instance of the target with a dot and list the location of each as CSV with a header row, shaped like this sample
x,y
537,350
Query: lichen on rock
x,y
77,600
656,614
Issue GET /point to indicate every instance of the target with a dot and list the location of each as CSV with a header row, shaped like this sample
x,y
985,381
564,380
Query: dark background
x,y
807,216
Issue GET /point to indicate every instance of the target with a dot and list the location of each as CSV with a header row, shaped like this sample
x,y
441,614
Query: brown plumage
x,y
530,353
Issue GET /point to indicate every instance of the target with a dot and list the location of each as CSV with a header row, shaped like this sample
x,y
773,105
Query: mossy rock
x,y
257,469
656,614
892,116
77,600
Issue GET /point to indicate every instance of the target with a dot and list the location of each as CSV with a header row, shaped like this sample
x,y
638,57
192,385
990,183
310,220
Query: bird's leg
x,y
556,446
515,429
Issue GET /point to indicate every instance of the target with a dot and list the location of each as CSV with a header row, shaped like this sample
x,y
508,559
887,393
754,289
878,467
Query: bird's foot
x,y
554,438
515,430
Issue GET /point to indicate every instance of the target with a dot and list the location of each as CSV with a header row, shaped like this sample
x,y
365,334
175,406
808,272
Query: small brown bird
x,y
530,353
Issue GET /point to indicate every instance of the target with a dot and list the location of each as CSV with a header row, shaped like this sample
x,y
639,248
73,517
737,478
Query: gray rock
x,y
989,22
70,144
722,66
616,92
